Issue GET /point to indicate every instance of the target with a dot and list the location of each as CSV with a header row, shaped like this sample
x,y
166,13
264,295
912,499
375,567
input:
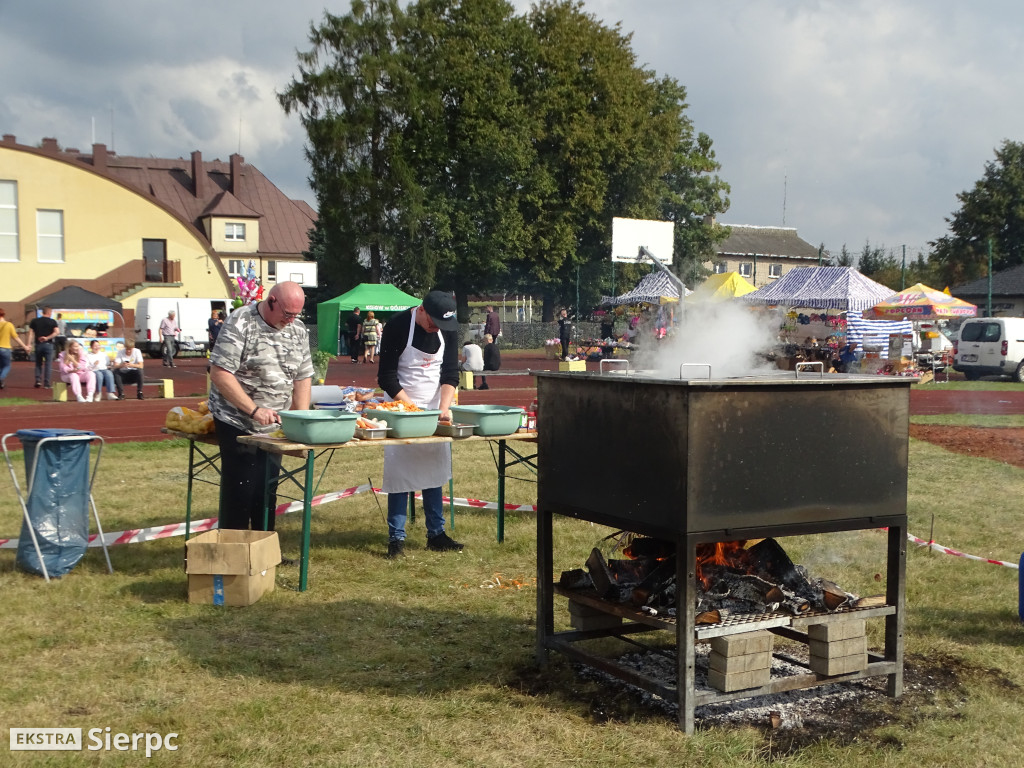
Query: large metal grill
x,y
706,460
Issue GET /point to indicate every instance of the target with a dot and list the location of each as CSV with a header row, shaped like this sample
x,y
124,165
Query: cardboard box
x,y
572,365
231,567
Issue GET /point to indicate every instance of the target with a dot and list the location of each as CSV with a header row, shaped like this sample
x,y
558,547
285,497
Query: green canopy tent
x,y
383,300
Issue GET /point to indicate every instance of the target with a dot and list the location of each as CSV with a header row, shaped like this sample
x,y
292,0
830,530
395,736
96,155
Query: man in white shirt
x,y
128,368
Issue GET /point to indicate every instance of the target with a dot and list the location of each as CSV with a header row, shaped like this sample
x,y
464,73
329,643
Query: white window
x,y
774,270
50,235
721,268
746,268
234,231
236,267
271,271
9,221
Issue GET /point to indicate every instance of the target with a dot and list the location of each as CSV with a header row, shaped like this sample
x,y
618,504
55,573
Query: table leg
x,y
501,491
188,495
307,521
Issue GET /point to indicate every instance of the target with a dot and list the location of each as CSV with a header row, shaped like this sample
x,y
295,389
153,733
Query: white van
x,y
990,346
193,317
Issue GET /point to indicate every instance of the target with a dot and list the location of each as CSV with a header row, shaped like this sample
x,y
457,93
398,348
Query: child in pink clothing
x,y
75,371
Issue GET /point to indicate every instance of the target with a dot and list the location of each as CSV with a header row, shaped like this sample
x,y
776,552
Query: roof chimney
x,y
10,138
236,173
99,157
50,145
198,175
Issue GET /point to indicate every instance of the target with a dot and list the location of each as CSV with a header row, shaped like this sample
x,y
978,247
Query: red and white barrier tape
x,y
137,535
948,551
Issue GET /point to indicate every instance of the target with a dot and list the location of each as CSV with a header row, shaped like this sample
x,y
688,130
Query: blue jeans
x,y
398,511
5,363
44,362
104,378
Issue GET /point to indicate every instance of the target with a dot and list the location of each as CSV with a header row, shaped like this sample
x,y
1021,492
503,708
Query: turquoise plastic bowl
x,y
406,424
490,420
318,427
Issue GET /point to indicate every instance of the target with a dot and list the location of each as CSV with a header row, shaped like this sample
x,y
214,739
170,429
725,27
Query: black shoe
x,y
483,386
396,549
443,543
37,385
120,395
140,397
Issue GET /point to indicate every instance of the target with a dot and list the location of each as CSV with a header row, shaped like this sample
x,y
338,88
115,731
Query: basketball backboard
x,y
628,235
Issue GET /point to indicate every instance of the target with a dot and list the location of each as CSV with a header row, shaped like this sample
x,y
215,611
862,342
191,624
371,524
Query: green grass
x,y
429,661
972,420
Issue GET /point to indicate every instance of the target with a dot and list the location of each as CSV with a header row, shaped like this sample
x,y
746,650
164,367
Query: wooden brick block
x,y
743,643
739,663
738,681
837,630
839,665
584,617
838,648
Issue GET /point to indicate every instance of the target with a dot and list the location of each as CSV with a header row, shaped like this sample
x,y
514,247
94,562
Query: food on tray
x,y
366,423
397,406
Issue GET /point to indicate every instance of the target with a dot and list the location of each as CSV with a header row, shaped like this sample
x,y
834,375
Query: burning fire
x,y
730,554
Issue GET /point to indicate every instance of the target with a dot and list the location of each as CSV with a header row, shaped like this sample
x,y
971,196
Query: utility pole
x,y
903,272
988,311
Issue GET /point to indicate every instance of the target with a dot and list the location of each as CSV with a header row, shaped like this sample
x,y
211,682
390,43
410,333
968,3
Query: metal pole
x,y
903,272
988,311
671,275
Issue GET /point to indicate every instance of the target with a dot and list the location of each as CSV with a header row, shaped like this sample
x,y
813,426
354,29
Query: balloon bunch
x,y
249,288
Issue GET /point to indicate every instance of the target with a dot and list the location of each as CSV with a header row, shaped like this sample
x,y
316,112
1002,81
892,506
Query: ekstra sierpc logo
x,y
95,740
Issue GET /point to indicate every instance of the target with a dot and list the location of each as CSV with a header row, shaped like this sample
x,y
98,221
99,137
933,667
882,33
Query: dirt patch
x,y
1004,444
860,712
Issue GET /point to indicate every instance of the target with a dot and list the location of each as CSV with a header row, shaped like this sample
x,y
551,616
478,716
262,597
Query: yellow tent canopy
x,y
721,287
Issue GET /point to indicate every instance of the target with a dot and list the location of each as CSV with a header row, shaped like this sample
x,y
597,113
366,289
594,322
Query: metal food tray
x,y
378,433
455,430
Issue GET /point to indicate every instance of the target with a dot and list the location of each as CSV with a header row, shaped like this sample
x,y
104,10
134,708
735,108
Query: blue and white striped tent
x,y
652,289
841,288
875,333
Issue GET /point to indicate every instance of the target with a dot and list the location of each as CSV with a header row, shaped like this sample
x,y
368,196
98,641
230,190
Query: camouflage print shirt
x,y
266,361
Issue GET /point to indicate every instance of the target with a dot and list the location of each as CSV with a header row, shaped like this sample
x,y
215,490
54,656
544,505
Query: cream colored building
x,y
129,228
763,254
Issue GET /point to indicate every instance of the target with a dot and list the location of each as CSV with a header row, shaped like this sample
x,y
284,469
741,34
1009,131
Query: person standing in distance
x,y
564,332
42,331
354,323
169,331
419,364
8,334
492,323
261,365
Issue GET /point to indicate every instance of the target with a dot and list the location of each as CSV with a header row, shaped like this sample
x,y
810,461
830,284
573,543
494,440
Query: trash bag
x,y
58,504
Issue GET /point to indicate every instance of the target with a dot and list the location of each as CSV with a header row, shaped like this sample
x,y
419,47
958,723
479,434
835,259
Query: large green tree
x,y
457,144
992,211
351,94
469,136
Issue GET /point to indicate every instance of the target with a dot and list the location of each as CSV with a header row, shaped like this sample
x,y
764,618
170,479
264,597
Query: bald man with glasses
x,y
261,365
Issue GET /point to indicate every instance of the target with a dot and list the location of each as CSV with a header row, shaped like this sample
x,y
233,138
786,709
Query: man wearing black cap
x,y
419,364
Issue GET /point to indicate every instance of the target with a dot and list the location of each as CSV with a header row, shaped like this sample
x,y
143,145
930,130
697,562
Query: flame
x,y
729,554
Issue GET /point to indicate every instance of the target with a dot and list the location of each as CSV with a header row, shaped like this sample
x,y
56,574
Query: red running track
x,y
134,420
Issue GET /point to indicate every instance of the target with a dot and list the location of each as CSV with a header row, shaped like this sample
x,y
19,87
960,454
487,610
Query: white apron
x,y
415,467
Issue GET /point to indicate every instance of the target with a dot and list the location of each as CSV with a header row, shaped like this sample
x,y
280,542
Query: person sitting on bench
x,y
128,368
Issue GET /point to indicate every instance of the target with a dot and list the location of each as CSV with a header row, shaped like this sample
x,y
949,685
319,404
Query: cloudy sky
x,y
851,121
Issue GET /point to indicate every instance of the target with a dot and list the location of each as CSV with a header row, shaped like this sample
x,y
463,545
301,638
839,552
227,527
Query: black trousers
x,y
243,473
124,376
